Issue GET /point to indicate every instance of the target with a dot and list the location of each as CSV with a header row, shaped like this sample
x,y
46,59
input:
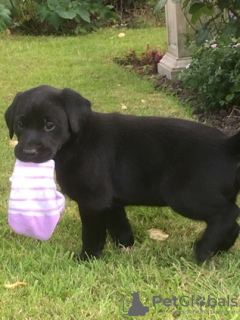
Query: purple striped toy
x,y
35,205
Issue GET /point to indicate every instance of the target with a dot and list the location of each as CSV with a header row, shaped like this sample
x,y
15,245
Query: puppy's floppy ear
x,y
9,114
76,107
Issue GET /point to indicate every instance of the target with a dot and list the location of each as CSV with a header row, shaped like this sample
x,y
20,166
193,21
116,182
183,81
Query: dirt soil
x,y
227,121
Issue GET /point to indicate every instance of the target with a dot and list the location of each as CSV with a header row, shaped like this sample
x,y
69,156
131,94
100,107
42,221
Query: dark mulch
x,y
225,120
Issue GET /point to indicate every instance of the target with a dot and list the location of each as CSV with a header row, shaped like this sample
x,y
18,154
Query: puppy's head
x,y
43,119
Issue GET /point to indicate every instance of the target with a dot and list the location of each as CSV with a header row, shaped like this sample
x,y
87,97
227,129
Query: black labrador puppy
x,y
108,161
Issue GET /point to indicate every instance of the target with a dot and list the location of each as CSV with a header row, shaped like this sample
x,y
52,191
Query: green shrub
x,y
40,17
120,5
210,18
5,17
78,16
214,75
55,16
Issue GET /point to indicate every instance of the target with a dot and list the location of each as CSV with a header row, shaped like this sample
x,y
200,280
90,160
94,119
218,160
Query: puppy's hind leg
x,y
119,227
220,235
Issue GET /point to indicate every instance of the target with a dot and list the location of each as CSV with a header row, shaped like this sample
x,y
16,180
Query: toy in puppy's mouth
x,y
35,205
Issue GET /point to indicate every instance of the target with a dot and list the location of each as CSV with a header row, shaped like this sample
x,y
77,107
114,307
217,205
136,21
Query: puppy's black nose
x,y
30,152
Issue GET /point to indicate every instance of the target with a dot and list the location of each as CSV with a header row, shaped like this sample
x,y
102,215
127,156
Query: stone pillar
x,y
177,56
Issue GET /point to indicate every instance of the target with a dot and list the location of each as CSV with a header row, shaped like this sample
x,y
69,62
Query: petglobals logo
x,y
133,307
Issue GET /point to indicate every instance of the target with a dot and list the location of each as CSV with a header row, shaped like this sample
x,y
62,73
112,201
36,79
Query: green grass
x,y
57,286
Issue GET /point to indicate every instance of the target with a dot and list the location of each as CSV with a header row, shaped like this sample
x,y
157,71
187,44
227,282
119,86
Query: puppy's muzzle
x,y
30,152
33,153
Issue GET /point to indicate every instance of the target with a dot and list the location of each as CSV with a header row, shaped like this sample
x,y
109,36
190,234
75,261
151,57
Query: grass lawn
x,y
57,286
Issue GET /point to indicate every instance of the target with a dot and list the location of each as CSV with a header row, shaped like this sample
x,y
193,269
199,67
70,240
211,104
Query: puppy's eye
x,y
20,124
49,126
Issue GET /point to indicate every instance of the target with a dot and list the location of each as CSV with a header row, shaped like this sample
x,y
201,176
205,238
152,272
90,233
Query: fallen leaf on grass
x,y
13,143
14,285
123,107
158,234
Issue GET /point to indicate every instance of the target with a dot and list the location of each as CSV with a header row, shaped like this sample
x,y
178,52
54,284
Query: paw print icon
x,y
200,301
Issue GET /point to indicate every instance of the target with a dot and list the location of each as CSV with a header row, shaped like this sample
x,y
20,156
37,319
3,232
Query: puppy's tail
x,y
233,145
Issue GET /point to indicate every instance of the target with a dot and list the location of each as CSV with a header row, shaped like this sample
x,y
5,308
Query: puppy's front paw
x,y
85,256
201,251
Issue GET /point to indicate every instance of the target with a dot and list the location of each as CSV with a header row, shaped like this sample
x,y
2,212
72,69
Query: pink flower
x,y
214,45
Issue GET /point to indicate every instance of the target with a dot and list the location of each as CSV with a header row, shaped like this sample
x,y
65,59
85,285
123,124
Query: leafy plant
x,y
55,16
56,11
124,5
147,60
214,74
210,17
23,14
151,56
5,17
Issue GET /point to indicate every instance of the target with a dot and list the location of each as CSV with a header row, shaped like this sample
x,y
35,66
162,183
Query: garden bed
x,y
226,120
